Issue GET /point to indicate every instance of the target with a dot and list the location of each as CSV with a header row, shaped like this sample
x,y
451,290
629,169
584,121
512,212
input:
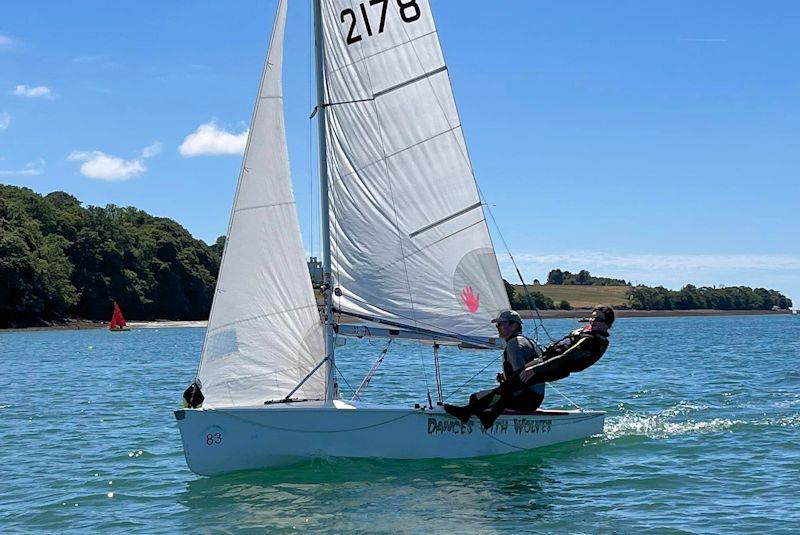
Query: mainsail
x,y
264,333
409,240
117,320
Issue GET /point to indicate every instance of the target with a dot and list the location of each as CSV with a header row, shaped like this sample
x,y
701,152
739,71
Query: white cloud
x,y
151,150
27,91
6,42
102,166
34,168
5,121
209,140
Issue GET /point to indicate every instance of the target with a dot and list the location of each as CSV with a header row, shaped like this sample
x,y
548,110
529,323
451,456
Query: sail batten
x,y
264,333
409,239
218,327
446,219
414,80
260,206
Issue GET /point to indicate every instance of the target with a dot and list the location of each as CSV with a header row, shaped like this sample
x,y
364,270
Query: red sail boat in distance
x,y
117,321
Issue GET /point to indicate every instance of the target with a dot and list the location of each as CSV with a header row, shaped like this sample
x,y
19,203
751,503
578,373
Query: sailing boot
x,y
488,417
462,413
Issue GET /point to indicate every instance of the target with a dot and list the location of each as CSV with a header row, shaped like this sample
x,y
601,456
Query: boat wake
x,y
678,420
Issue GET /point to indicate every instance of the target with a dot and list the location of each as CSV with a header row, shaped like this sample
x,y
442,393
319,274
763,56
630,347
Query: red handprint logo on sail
x,y
470,299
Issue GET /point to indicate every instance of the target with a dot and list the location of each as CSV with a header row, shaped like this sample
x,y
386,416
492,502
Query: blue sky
x,y
657,141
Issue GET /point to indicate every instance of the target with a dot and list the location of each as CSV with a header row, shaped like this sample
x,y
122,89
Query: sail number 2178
x,y
409,12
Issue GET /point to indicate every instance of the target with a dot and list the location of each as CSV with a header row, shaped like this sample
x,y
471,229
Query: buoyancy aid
x,y
532,354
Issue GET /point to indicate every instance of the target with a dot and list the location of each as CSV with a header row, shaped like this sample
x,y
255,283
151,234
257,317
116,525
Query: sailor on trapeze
x,y
526,368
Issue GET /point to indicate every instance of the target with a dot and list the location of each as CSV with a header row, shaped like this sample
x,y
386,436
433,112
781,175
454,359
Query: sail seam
x,y
444,220
392,155
270,373
267,315
247,208
419,250
410,81
366,57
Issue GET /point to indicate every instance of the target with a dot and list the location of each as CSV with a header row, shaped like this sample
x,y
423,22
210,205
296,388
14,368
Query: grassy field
x,y
581,296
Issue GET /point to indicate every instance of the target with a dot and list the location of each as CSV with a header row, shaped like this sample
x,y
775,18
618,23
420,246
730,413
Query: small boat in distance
x,y
117,321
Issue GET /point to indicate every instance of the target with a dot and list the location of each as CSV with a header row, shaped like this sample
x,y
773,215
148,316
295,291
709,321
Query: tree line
x,y
59,259
690,297
522,301
582,278
643,297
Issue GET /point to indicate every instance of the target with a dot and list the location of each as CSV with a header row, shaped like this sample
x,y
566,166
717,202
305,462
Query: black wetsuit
x,y
574,353
519,352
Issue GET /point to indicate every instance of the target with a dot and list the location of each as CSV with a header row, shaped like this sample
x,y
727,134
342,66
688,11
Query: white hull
x,y
216,441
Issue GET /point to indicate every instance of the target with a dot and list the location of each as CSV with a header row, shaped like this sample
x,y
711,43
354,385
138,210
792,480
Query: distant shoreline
x,y
73,324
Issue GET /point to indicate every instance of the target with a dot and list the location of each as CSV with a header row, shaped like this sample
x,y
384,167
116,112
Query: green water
x,y
703,435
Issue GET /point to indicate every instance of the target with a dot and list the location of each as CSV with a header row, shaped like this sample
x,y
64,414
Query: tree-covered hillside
x,y
692,298
689,297
59,259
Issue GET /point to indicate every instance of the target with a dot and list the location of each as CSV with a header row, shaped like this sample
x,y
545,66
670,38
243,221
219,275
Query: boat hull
x,y
217,441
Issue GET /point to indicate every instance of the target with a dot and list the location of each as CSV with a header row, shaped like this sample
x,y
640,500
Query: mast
x,y
319,60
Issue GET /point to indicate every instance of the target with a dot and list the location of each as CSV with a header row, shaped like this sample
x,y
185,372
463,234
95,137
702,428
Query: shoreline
x,y
631,313
74,324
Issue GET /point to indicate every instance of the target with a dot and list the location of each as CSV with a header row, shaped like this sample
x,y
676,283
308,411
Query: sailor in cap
x,y
519,352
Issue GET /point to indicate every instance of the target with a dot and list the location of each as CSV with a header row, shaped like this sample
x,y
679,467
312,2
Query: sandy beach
x,y
73,324
78,324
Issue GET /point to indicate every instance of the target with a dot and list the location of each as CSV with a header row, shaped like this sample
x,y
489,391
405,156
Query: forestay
x,y
409,238
264,333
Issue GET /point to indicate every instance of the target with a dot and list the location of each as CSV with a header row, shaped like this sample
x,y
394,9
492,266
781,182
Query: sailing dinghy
x,y
118,323
406,252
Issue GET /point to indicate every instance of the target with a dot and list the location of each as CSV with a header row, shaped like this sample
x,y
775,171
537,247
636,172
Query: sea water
x,y
702,435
